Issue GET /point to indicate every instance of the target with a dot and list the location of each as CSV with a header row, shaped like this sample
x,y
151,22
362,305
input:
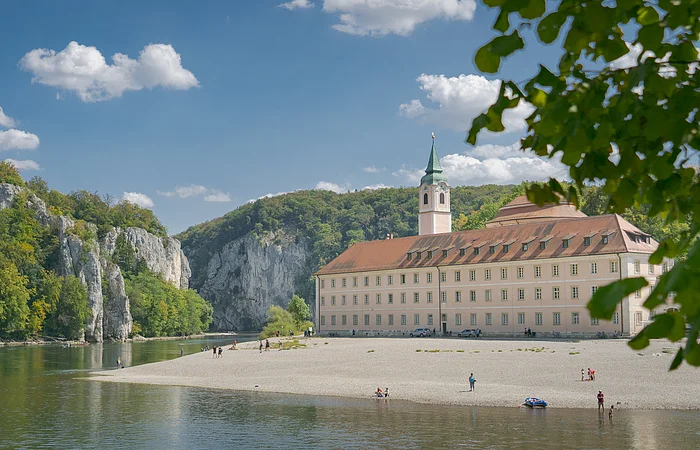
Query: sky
x,y
194,108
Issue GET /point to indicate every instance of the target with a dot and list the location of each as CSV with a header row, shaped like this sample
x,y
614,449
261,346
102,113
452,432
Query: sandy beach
x,y
435,371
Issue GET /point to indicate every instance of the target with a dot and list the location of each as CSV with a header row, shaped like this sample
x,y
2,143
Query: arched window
x,y
425,199
442,198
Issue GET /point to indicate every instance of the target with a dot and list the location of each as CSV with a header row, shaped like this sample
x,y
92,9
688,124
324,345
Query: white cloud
x,y
138,198
486,164
269,195
632,58
373,169
459,100
5,120
297,4
328,186
26,164
193,190
84,70
382,17
18,140
218,197
374,187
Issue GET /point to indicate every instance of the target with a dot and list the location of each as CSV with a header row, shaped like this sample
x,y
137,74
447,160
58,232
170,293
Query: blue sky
x,y
264,99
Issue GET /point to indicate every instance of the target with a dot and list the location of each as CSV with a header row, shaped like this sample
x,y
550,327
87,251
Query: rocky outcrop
x,y
117,320
249,275
8,192
91,262
82,259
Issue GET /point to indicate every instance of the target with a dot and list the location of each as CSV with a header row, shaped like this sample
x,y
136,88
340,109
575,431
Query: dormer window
x,y
492,249
526,247
565,243
444,253
506,247
462,251
586,241
430,254
408,256
418,254
476,250
543,245
606,239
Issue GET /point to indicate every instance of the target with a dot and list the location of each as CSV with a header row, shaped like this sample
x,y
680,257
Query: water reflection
x,y
44,405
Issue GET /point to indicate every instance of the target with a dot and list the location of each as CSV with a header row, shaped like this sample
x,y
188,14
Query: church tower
x,y
434,214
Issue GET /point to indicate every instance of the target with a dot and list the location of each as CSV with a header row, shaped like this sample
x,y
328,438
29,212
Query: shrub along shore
x,y
435,371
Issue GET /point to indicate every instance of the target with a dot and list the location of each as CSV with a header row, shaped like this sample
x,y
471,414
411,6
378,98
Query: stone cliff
x,y
248,275
91,262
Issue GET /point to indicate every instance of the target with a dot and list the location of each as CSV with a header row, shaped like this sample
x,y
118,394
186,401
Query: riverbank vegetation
x,y
294,319
36,301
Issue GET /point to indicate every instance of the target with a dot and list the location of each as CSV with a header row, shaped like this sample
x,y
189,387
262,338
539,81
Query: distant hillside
x,y
233,257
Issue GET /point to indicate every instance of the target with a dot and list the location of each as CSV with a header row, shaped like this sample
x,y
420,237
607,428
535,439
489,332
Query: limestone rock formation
x,y
82,259
91,263
248,275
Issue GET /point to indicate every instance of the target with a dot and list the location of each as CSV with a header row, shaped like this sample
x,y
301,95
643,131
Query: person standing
x,y
472,382
267,345
610,413
182,351
214,349
119,361
261,346
221,352
601,401
582,377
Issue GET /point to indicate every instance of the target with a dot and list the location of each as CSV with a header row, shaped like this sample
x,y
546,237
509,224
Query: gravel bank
x,y
506,371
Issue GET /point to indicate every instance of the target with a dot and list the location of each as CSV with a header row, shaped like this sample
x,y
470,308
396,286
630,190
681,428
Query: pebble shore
x,y
435,371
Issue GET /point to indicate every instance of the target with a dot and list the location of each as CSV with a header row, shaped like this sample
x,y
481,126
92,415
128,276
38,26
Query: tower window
x,y
425,199
442,198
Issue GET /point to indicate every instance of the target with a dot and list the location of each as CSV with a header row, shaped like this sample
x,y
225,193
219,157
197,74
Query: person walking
x,y
182,352
214,350
261,346
221,352
267,345
601,401
472,382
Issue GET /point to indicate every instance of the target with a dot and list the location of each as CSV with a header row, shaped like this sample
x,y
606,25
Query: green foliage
x,y
161,309
326,222
635,130
14,296
9,174
279,319
72,310
299,310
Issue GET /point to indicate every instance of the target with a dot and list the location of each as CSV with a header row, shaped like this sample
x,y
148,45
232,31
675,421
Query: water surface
x,y
44,403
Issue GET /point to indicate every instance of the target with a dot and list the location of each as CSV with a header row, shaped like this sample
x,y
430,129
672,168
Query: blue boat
x,y
534,402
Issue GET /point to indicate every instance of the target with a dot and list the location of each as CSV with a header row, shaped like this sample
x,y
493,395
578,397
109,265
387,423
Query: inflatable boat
x,y
534,402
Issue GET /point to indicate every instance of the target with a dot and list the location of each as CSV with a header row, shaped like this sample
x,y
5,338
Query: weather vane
x,y
433,135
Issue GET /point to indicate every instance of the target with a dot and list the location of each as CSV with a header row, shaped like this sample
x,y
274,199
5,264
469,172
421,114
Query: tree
x,y
72,311
14,296
299,310
9,174
632,127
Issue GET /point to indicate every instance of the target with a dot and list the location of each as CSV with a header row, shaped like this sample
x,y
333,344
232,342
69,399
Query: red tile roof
x,y
392,253
520,210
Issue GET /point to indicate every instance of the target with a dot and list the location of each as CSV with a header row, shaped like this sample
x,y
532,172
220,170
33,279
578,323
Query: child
x,y
610,414
582,378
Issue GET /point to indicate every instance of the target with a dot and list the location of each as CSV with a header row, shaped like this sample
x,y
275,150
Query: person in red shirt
x,y
601,400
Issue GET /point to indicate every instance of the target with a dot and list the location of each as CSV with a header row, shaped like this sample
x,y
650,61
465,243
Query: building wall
x,y
349,295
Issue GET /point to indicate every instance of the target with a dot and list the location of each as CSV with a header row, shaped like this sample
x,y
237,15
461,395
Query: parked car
x,y
420,332
467,333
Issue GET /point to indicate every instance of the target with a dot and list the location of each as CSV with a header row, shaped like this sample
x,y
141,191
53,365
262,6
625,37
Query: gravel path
x,y
506,371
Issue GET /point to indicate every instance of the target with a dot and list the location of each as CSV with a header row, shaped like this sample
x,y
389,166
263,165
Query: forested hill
x,y
327,221
80,265
264,252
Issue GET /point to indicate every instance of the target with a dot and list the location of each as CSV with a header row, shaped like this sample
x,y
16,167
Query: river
x,y
45,404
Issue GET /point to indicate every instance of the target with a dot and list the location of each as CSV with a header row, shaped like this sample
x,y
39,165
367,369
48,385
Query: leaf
x,y
677,360
486,60
488,57
604,302
651,36
533,9
549,27
502,23
647,15
478,124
